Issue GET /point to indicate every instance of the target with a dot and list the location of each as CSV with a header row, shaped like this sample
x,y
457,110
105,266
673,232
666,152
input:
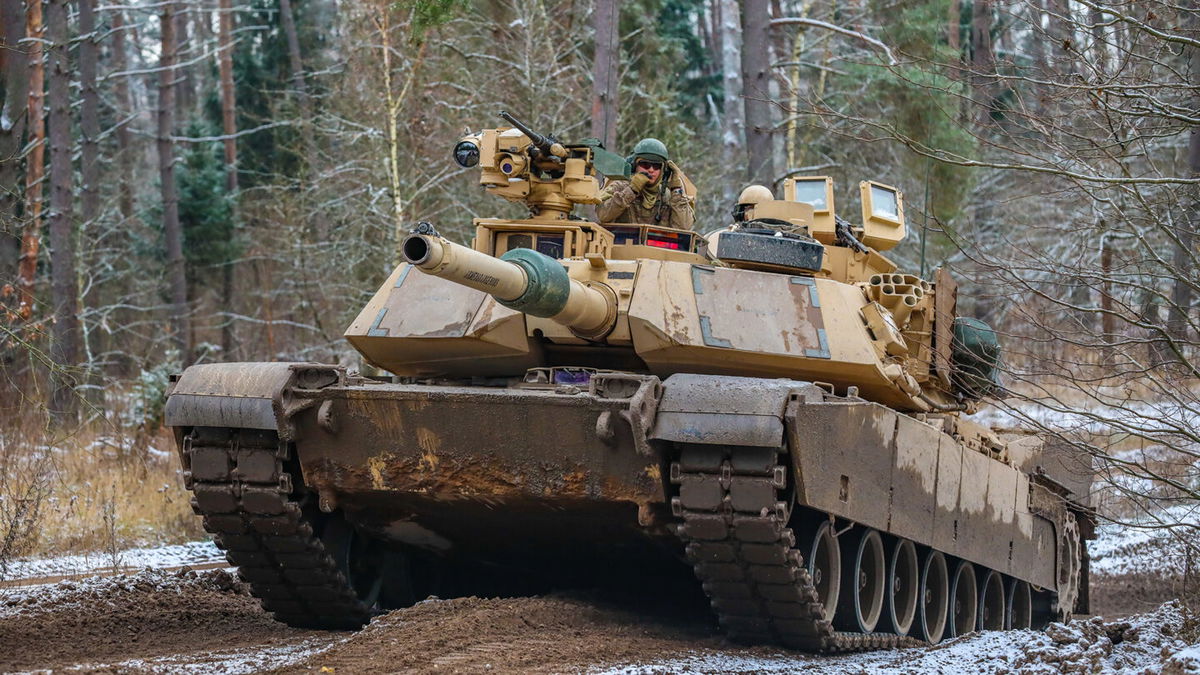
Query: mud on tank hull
x,y
813,521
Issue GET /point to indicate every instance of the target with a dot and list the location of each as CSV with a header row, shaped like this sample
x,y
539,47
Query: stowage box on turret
x,y
775,406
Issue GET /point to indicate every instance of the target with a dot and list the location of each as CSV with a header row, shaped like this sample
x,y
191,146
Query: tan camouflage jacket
x,y
622,205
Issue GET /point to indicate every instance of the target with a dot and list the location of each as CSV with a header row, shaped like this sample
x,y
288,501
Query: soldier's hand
x,y
675,182
638,181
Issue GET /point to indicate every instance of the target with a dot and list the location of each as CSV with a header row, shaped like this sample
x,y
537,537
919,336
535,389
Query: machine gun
x,y
545,145
549,177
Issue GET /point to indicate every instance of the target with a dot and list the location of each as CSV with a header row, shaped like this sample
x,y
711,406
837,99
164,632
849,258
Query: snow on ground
x,y
159,557
87,590
1155,642
226,662
1160,544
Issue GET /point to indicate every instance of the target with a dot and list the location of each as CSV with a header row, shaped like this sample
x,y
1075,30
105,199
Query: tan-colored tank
x,y
775,406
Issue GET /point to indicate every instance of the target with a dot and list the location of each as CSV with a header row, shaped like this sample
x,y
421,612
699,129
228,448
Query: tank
x,y
775,408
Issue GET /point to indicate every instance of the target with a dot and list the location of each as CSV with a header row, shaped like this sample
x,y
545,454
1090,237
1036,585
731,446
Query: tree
x,y
14,85
229,142
172,230
35,169
756,75
64,345
606,23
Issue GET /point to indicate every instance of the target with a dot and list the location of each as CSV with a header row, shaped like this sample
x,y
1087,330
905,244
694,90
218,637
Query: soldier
x,y
655,194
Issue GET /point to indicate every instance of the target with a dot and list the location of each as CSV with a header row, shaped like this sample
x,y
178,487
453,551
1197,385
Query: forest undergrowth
x,y
99,489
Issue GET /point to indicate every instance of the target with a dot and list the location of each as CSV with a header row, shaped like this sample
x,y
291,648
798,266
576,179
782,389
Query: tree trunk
x,y
89,115
733,124
1184,272
185,86
756,74
35,168
1108,321
229,128
1061,29
172,232
14,77
953,26
983,61
1037,53
89,126
124,159
605,71
64,344
297,66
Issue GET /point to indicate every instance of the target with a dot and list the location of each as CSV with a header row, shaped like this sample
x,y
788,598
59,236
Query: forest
x,y
190,181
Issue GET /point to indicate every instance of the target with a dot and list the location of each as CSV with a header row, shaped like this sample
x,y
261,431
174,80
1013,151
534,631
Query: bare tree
x,y
606,23
733,124
36,167
14,71
301,89
172,231
756,77
64,345
89,113
124,107
229,129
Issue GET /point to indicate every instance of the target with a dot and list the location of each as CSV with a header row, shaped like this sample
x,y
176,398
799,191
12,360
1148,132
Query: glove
x,y
638,181
675,182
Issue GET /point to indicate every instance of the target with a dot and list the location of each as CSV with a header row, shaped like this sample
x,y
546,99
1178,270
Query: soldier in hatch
x,y
656,193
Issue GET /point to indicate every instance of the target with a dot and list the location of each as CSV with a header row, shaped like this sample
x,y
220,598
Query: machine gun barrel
x,y
522,279
546,145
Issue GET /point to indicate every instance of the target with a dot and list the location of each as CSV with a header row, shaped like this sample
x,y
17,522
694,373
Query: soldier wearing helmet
x,y
750,197
655,194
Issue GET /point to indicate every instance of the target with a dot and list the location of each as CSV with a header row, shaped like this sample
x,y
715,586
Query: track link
x,y
734,510
244,492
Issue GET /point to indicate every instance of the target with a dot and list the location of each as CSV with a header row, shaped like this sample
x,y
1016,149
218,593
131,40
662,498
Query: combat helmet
x,y
750,197
651,148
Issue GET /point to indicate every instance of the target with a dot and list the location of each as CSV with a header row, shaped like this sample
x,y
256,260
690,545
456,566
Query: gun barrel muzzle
x,y
523,279
443,258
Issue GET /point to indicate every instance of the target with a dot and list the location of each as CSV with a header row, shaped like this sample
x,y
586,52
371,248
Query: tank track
x,y
242,488
734,512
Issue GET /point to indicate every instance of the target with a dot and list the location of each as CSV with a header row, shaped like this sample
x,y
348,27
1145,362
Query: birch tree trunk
x,y
172,231
64,338
35,168
733,125
606,76
14,74
756,73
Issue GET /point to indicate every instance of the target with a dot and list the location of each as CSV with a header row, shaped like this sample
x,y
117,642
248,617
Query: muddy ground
x,y
206,622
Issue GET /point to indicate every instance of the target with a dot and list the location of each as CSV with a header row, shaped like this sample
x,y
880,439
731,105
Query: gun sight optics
x,y
466,152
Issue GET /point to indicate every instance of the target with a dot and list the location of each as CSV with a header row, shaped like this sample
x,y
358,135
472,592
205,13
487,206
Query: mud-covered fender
x,y
722,410
244,395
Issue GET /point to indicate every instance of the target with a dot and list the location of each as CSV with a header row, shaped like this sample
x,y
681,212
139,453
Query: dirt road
x,y
190,621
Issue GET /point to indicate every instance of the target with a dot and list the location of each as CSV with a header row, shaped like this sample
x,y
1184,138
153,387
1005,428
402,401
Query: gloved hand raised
x,y
639,181
675,182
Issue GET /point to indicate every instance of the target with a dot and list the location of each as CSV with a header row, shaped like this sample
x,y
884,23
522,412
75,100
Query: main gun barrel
x,y
522,279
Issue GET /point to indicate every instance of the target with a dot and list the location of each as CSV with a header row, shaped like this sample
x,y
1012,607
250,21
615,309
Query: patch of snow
x,y
111,590
1186,660
191,553
232,662
1144,643
1156,542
